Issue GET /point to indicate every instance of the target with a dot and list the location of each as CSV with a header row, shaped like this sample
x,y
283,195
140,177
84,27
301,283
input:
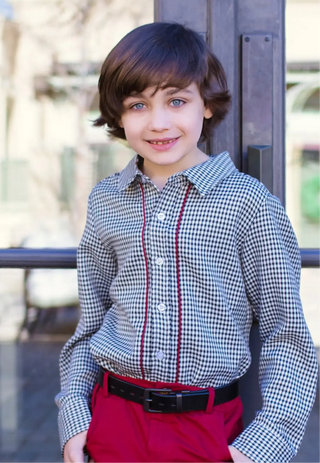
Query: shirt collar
x,y
204,176
207,175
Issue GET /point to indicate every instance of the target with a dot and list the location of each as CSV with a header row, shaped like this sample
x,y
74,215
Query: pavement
x,y
29,380
28,416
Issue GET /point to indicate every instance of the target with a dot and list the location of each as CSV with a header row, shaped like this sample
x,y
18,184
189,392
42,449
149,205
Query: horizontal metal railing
x,y
67,258
310,258
38,258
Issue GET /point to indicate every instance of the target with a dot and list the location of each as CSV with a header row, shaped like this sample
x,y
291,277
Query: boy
x,y
179,251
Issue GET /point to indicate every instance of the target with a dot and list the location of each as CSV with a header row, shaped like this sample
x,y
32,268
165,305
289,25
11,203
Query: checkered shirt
x,y
208,252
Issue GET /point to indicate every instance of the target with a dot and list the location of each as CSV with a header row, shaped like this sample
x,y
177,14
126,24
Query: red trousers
x,y
121,431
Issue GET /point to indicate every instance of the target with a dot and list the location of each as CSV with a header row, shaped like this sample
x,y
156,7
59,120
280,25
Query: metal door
x,y
248,38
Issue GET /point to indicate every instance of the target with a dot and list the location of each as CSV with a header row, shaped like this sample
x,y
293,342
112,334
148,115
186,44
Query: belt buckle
x,y
147,399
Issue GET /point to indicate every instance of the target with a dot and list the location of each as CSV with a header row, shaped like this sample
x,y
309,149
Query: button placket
x,y
150,343
160,285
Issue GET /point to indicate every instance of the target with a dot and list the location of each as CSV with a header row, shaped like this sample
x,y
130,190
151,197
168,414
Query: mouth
x,y
163,141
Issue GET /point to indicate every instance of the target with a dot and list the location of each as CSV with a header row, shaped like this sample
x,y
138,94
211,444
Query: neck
x,y
162,173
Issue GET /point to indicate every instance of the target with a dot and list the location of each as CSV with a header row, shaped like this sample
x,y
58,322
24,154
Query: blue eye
x,y
177,102
138,106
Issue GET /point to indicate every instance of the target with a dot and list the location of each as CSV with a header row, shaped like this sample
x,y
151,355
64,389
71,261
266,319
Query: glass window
x,y
50,155
303,141
303,119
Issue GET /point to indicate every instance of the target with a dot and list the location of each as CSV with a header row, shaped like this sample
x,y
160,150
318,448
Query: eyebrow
x,y
173,91
168,92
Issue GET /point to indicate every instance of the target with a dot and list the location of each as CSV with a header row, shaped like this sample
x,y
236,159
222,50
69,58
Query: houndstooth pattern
x,y
238,256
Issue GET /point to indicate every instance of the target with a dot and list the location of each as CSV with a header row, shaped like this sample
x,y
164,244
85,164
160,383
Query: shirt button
x,y
160,355
159,261
161,308
161,216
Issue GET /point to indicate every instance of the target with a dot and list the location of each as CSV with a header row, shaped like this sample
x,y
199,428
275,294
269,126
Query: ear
x,y
120,124
207,113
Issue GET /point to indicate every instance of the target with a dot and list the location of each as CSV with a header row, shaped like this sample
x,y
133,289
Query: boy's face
x,y
164,127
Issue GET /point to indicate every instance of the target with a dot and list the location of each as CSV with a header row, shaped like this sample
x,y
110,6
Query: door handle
x,y
260,164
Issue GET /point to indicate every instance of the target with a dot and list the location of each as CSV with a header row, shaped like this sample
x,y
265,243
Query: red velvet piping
x,y
178,283
147,276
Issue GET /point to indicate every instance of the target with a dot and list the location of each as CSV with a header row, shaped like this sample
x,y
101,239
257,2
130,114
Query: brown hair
x,y
162,55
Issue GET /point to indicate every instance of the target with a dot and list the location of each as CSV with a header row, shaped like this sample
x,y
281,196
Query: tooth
x,y
161,142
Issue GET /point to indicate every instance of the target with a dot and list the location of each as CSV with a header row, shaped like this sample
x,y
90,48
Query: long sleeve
x,y
96,269
288,365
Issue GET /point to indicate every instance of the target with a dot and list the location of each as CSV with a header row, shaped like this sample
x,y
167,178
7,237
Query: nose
x,y
159,120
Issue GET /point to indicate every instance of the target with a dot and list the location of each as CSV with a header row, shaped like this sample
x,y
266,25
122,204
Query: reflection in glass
x,y
303,120
50,155
302,160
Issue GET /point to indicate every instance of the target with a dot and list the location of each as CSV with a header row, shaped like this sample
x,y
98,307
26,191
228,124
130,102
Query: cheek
x,y
130,131
133,141
194,125
132,128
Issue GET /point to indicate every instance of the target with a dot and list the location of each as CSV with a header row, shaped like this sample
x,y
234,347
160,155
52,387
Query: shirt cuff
x,y
74,417
262,445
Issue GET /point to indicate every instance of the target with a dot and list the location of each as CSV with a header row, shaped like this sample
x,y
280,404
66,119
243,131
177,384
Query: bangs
x,y
171,67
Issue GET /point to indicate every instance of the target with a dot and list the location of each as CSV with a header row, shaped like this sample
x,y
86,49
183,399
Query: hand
x,y
73,450
237,456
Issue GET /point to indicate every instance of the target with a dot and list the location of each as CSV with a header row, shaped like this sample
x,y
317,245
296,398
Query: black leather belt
x,y
166,400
